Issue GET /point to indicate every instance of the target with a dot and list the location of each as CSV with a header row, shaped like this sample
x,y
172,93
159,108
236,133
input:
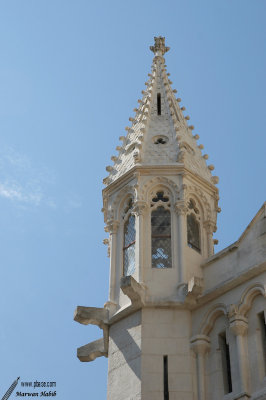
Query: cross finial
x,y
159,48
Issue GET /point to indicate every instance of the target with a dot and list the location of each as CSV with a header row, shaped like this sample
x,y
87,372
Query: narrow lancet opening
x,y
193,232
159,108
161,238
193,227
226,365
165,378
129,246
263,337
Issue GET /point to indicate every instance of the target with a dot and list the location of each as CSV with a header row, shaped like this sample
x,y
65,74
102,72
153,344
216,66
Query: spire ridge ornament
x,y
159,48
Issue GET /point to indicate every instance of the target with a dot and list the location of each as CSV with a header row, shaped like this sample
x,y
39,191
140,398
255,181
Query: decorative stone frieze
x,y
180,207
139,207
210,226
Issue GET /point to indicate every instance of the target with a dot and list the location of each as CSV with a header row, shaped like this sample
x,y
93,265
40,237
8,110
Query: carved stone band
x,y
112,226
210,226
181,208
139,207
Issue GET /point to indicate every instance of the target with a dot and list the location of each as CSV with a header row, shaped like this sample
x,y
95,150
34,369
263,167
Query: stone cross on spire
x,y
159,48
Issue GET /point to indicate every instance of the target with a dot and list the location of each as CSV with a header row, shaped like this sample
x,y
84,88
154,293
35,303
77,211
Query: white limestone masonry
x,y
180,323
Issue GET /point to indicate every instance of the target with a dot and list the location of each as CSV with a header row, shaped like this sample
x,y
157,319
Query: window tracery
x,y
193,226
160,139
161,231
128,207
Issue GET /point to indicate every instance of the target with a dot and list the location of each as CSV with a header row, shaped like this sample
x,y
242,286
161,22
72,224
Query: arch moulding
x,y
159,181
119,199
249,295
211,316
197,193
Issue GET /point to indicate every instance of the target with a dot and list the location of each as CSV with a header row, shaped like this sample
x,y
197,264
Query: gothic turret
x,y
160,200
180,322
160,208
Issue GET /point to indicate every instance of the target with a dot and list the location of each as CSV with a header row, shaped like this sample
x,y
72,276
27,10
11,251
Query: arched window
x,y
193,227
129,241
161,252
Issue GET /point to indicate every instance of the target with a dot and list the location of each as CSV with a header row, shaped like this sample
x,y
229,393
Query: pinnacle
x,y
159,48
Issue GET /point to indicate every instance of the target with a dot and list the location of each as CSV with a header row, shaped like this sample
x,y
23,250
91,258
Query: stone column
x,y
112,228
200,345
239,327
210,227
181,211
139,210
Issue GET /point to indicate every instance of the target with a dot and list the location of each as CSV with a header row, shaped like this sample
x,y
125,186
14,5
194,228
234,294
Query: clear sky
x,y
70,75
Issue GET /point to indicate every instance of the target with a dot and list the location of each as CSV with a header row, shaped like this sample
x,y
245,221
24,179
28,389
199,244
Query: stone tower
x,y
160,207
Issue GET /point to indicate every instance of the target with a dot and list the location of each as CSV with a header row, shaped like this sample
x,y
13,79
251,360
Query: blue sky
x,y
70,75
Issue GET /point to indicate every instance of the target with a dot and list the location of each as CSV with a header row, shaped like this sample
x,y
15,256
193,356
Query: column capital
x,y
238,324
112,226
180,207
200,344
139,207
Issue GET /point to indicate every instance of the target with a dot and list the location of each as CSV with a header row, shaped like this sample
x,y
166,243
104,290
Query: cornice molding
x,y
231,283
153,170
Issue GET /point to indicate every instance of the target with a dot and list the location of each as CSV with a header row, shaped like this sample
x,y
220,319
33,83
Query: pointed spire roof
x,y
159,133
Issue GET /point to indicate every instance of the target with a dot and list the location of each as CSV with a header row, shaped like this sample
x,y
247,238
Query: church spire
x,y
159,133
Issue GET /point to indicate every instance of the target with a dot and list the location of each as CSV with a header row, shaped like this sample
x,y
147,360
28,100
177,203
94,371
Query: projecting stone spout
x,y
91,351
91,315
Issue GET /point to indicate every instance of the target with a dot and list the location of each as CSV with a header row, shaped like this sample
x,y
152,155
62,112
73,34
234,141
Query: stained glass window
x,y
193,232
161,238
129,246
